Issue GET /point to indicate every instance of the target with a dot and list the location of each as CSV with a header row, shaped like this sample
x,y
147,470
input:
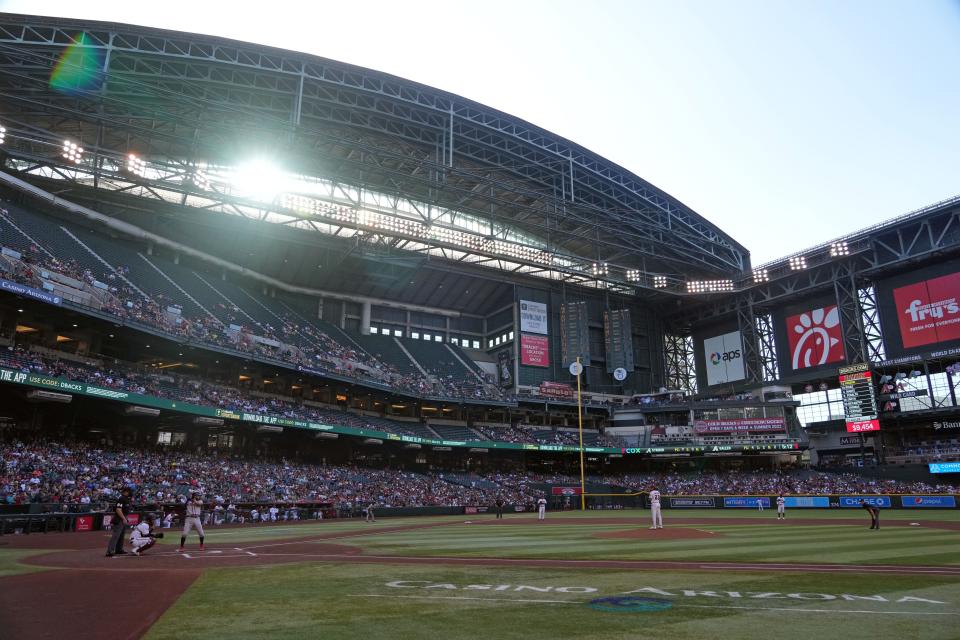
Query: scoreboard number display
x,y
859,398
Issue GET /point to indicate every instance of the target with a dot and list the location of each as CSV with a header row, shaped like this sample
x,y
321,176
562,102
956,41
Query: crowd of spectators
x,y
300,343
79,473
192,390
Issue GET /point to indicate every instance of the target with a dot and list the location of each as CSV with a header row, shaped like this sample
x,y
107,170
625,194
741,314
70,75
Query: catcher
x,y
143,537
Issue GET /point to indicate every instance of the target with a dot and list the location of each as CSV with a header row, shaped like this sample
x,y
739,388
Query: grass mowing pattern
x,y
352,602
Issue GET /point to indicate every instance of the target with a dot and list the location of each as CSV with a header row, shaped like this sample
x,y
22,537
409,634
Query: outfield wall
x,y
913,501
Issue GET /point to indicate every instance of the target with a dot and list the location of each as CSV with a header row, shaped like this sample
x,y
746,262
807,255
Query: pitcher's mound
x,y
672,533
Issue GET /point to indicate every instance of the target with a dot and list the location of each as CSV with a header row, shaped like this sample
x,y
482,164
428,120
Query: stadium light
x,y
760,275
3,134
600,269
72,152
633,275
136,166
260,180
659,282
709,286
838,249
798,263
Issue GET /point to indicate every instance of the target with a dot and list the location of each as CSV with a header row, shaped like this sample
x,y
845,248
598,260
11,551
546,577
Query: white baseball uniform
x,y
542,509
140,536
760,504
781,503
655,510
192,519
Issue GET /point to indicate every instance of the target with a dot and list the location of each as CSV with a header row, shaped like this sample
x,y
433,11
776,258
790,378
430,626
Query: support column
x,y
365,319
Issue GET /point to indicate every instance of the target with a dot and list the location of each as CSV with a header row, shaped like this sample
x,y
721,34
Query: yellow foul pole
x,y
583,497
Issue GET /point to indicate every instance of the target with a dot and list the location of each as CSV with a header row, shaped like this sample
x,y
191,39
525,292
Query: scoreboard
x,y
859,398
618,340
574,333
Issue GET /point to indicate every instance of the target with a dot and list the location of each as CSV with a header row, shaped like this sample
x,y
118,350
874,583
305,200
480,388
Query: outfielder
x,y
542,508
760,504
781,504
655,510
192,519
143,537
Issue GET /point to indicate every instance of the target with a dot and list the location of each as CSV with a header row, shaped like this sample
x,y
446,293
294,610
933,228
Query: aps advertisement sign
x,y
723,356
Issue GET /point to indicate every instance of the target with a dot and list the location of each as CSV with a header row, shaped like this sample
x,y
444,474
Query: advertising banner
x,y
814,337
876,501
84,523
565,491
944,467
746,502
30,292
534,351
928,502
533,317
928,312
739,425
723,356
556,390
692,503
806,502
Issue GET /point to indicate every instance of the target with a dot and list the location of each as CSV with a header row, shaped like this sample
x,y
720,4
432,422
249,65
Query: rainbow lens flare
x,y
79,68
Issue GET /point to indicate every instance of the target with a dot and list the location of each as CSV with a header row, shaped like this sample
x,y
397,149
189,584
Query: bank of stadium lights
x,y
633,275
136,166
600,269
760,275
200,179
3,134
709,286
72,152
798,263
838,249
659,282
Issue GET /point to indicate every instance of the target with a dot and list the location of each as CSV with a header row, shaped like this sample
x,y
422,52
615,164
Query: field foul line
x,y
697,606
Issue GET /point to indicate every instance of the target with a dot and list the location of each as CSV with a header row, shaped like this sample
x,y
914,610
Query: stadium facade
x,y
328,250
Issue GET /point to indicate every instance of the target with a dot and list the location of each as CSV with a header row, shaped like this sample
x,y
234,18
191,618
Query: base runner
x,y
192,519
655,510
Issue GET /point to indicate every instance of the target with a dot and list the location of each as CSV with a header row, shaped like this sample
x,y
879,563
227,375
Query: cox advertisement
x,y
692,503
723,356
928,502
882,502
746,502
806,502
928,312
814,337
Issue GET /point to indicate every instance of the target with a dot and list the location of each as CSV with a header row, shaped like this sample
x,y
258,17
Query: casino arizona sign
x,y
670,593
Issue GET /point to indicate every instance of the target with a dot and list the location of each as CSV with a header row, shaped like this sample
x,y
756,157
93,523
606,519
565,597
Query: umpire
x,y
121,509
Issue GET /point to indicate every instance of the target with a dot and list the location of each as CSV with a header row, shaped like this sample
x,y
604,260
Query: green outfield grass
x,y
355,602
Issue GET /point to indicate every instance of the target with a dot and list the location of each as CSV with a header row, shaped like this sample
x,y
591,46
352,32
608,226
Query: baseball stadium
x,y
422,368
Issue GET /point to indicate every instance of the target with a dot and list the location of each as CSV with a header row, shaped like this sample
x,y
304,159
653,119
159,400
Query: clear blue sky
x,y
786,123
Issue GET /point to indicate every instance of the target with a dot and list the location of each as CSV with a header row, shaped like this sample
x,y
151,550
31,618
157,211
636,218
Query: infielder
x,y
370,515
542,509
781,504
192,519
655,510
143,537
